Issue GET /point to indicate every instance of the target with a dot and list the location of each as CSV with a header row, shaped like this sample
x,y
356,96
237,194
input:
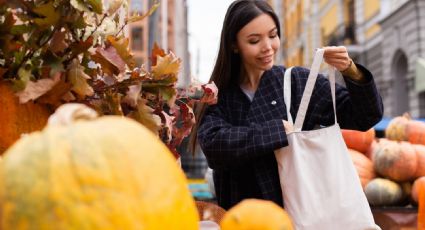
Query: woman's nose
x,y
266,46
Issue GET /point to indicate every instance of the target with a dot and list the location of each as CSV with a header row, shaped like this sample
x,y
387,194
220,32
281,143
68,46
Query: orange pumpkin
x,y
420,155
358,140
364,167
416,132
396,129
395,160
17,119
415,188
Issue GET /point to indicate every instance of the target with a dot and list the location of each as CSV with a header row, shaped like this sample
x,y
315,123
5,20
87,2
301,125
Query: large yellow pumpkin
x,y
108,173
255,214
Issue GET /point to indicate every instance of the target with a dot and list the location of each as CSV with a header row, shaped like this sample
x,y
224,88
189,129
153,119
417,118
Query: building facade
x,y
387,36
167,27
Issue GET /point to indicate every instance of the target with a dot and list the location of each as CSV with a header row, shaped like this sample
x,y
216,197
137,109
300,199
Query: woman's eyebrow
x,y
256,35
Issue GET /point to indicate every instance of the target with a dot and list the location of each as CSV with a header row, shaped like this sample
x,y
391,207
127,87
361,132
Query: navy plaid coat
x,y
238,136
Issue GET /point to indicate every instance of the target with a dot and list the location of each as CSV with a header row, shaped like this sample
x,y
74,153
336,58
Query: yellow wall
x,y
329,22
371,31
371,8
322,3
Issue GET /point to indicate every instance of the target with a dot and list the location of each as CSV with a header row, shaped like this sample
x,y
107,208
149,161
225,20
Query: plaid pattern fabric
x,y
238,136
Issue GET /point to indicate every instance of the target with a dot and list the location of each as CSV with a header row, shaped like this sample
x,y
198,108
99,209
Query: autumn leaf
x,y
24,76
167,65
78,79
2,72
34,90
121,46
137,17
81,46
133,94
49,15
144,115
56,94
113,101
58,44
88,5
156,51
210,93
114,6
110,60
167,123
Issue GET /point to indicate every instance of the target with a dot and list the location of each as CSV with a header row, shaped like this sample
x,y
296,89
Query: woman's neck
x,y
250,79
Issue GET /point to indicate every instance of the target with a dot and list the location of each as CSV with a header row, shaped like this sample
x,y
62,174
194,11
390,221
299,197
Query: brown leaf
x,y
121,46
110,60
133,95
137,17
81,46
144,115
210,93
34,90
78,79
49,15
168,125
167,66
56,94
156,51
58,44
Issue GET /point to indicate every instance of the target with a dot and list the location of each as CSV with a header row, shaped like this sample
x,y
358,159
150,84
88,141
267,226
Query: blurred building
x,y
167,27
387,36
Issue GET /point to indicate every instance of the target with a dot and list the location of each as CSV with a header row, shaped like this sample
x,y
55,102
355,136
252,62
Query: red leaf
x,y
210,93
58,44
33,90
156,51
110,60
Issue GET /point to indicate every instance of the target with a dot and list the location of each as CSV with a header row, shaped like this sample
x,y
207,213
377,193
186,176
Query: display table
x,y
396,218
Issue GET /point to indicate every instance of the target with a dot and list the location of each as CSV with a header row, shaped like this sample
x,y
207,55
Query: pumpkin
x,y
106,173
255,214
17,119
421,201
382,192
416,132
396,129
415,188
395,160
372,148
358,140
420,155
364,167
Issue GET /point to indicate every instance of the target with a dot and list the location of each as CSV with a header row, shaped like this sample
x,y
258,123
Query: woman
x,y
239,134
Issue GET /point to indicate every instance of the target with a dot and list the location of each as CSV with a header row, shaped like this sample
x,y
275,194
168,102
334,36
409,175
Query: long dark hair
x,y
228,64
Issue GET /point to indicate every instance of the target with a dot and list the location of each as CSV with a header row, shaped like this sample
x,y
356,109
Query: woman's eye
x,y
253,42
273,35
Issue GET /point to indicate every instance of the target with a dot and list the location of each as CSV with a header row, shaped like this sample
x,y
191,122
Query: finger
x,y
335,49
337,56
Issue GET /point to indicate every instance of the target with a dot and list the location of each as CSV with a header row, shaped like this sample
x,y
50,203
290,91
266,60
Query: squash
x,y
17,119
383,192
364,167
415,188
395,160
396,129
358,140
420,155
416,132
106,173
255,214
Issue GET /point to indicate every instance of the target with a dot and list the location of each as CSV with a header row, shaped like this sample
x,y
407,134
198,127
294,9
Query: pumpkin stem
x,y
69,113
407,115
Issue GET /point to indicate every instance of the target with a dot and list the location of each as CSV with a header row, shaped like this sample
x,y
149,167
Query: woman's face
x,y
257,43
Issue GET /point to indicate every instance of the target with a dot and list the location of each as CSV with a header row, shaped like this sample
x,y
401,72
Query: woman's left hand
x,y
337,56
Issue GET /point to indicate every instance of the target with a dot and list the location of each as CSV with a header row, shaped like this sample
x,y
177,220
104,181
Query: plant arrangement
x,y
58,51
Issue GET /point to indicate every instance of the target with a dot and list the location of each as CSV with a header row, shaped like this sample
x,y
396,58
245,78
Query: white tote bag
x,y
320,186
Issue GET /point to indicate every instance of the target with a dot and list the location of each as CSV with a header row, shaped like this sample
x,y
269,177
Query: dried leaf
x,y
58,44
50,16
88,5
78,79
167,122
121,46
133,95
144,115
56,94
137,17
166,66
114,6
113,101
210,93
110,60
2,72
156,51
34,90
81,46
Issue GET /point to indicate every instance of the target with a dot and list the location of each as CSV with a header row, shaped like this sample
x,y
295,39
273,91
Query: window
x,y
137,39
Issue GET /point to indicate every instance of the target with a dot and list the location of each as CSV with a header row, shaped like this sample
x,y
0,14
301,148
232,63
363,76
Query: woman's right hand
x,y
289,128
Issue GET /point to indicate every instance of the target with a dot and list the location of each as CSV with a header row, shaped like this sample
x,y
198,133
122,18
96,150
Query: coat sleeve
x,y
226,146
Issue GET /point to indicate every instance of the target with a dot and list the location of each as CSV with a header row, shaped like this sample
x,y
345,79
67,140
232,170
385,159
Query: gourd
x,y
381,192
358,140
105,173
364,167
255,214
17,119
